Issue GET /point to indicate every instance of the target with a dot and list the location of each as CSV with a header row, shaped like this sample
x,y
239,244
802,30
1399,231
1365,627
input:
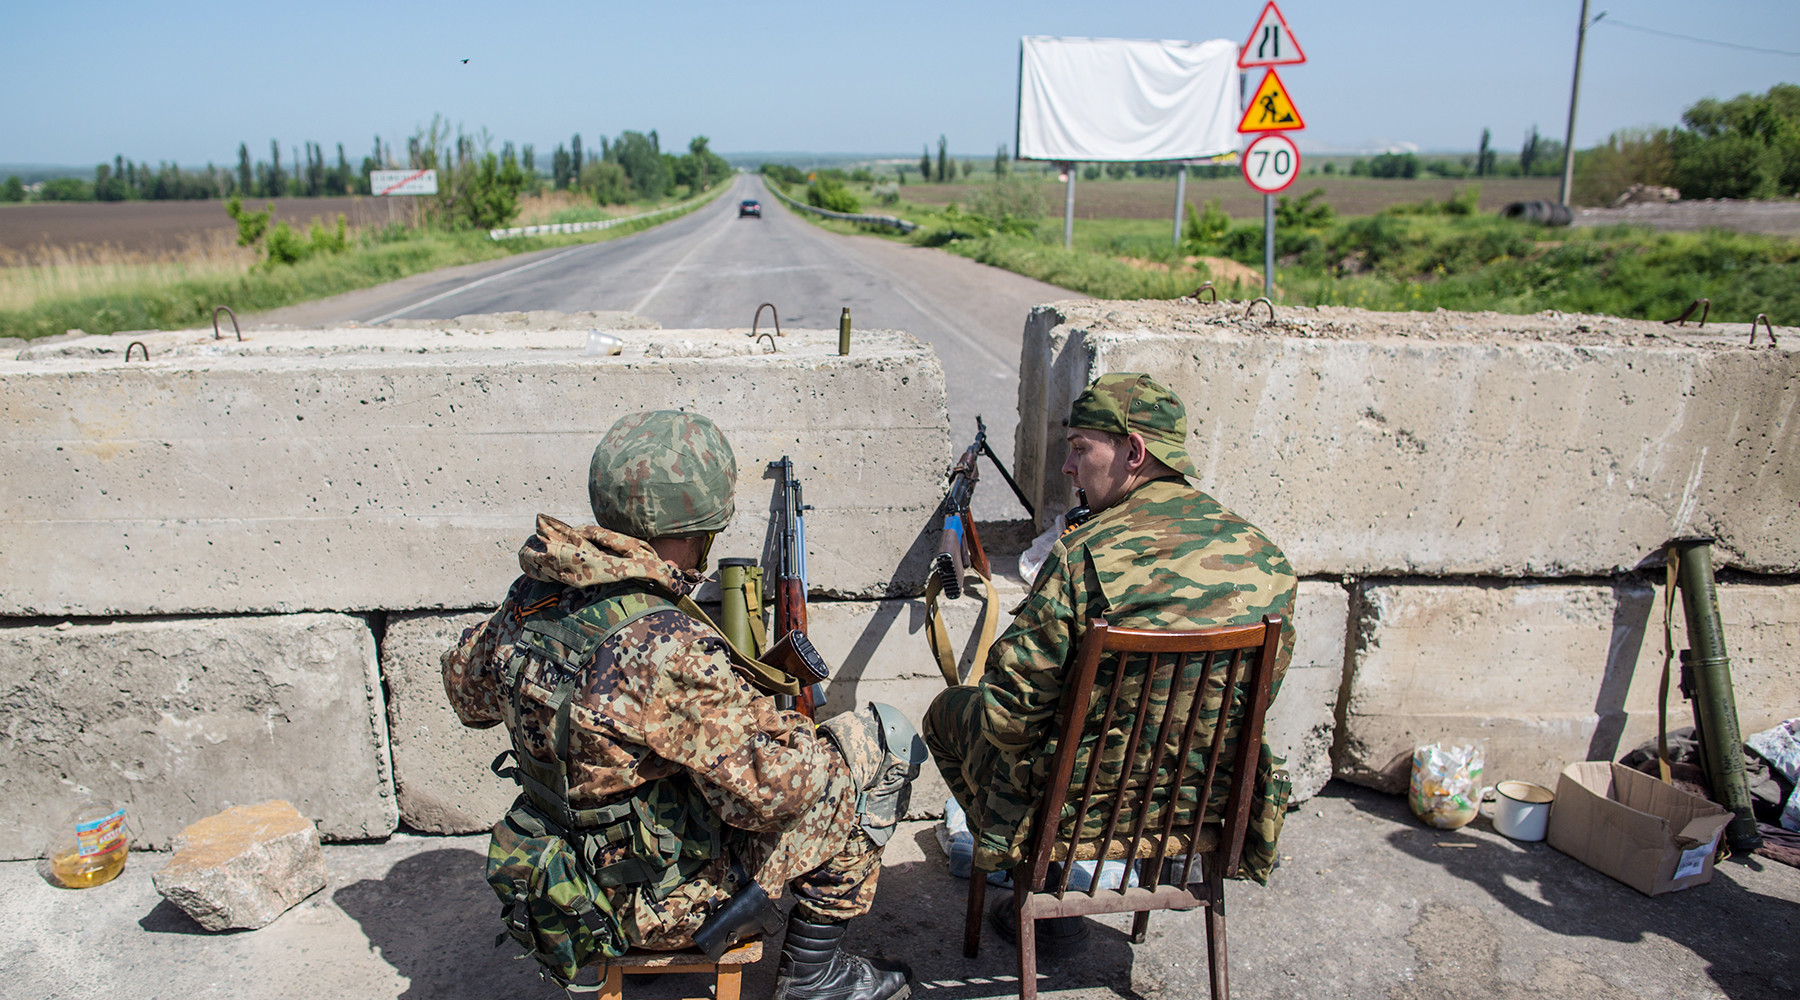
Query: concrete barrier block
x,y
441,773
1448,443
1302,721
1549,674
401,469
181,719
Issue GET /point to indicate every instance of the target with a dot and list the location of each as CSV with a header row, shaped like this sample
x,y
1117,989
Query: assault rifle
x,y
792,651
959,544
959,550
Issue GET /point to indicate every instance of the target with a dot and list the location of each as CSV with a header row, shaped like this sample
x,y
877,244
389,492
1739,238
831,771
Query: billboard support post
x,y
1269,246
1069,210
1180,199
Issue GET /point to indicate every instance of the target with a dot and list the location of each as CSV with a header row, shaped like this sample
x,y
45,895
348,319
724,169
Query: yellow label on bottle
x,y
99,836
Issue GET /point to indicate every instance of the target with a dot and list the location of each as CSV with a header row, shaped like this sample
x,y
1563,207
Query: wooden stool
x,y
727,972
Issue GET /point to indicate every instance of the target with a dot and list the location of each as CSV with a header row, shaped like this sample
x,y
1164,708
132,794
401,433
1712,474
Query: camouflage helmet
x,y
662,474
1127,402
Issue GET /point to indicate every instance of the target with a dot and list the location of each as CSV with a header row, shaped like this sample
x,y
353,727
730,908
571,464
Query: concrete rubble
x,y
242,868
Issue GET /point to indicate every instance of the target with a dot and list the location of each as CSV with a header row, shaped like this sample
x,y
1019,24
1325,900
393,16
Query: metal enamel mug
x,y
1522,809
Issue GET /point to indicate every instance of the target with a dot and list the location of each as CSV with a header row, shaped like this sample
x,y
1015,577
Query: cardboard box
x,y
1648,834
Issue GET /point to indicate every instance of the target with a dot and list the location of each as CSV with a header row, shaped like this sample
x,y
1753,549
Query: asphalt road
x,y
711,269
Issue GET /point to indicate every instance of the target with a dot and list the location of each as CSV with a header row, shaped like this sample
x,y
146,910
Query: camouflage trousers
x,y
953,734
823,856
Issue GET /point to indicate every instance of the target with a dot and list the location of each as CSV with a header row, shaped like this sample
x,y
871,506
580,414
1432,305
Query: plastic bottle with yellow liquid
x,y
90,847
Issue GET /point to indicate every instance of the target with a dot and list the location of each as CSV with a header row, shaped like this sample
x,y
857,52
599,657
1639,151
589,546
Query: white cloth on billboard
x,y
1115,99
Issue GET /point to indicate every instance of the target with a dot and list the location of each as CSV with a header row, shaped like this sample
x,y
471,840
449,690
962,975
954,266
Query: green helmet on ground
x,y
662,474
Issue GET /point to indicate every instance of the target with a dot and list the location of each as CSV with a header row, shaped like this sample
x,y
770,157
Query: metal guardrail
x,y
873,220
586,227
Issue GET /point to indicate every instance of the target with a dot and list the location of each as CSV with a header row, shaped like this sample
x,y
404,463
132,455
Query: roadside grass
x,y
1413,256
102,294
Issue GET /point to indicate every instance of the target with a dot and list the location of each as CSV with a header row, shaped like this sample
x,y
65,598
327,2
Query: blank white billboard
x,y
1087,99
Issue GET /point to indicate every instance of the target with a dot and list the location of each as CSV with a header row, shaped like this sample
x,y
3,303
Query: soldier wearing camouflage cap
x,y
642,742
1156,553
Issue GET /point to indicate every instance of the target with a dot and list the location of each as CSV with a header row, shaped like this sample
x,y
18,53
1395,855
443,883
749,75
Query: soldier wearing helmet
x,y
643,742
1155,554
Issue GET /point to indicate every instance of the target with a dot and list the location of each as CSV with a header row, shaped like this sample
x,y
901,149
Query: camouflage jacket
x,y
658,699
1163,557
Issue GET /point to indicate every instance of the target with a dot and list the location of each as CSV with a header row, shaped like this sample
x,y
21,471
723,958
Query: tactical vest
x,y
548,861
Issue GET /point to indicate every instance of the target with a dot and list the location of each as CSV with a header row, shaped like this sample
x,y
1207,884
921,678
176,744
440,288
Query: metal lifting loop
x,y
1764,320
234,323
1265,301
770,306
1206,286
771,339
136,343
1704,305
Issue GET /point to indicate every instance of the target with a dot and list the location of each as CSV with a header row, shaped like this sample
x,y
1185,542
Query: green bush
x,y
830,194
66,189
605,182
1202,229
13,190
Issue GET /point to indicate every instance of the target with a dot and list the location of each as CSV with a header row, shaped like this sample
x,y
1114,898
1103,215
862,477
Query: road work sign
x,y
402,182
1271,109
1271,42
1271,163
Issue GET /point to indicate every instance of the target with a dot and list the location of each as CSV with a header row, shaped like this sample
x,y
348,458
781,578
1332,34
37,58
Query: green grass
x,y
376,258
1408,257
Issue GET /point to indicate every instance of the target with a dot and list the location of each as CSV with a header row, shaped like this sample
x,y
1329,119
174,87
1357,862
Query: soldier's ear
x,y
1136,452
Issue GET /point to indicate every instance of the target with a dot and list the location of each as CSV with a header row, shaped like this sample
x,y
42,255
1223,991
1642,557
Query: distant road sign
x,y
1271,163
403,181
1271,108
1271,42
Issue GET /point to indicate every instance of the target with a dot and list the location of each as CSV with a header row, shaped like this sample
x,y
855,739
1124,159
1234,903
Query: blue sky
x,y
188,81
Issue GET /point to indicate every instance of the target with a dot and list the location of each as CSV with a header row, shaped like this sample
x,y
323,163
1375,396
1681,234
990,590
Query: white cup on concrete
x,y
1522,809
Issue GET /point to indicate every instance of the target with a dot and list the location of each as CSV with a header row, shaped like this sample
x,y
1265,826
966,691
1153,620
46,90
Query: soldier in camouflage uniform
x,y
1156,554
659,724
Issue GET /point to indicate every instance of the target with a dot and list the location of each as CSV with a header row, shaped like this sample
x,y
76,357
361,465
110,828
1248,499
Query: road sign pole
x,y
1269,246
1180,198
1069,211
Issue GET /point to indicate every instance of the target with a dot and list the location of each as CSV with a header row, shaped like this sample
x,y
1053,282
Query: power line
x,y
1691,38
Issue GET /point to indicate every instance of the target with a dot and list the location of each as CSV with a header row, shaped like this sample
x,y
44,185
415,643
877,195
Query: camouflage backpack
x,y
550,863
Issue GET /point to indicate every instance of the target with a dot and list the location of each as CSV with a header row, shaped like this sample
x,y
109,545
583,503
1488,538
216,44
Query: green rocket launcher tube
x,y
1715,706
740,591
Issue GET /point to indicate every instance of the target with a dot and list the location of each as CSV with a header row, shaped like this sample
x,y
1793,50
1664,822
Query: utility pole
x,y
1568,173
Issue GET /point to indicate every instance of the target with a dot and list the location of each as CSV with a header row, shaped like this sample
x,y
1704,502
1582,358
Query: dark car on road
x,y
749,206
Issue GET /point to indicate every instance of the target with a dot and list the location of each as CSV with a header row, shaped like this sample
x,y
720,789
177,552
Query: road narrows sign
x,y
1271,42
1271,163
1271,108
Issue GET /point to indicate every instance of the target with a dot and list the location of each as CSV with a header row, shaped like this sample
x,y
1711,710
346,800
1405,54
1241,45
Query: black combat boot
x,y
814,968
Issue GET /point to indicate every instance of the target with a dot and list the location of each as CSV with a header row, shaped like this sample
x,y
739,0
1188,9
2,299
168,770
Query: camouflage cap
x,y
1127,402
662,474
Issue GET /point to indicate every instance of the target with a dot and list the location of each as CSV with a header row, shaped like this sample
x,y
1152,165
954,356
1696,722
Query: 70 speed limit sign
x,y
1271,163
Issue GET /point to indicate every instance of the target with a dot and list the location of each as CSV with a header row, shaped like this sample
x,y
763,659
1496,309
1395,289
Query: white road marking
x,y
481,281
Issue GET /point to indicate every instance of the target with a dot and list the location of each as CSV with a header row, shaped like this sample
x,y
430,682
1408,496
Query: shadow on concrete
x,y
1740,934
918,919
433,918
167,918
1632,603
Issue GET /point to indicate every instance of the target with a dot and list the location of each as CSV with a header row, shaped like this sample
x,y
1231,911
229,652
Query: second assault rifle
x,y
959,550
792,651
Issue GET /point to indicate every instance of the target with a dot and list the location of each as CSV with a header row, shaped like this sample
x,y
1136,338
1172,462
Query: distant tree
x,y
1117,171
925,165
1000,161
1484,157
943,171
244,173
1091,172
13,190
968,167
559,168
1528,153
274,181
644,163
575,155
606,182
108,186
66,189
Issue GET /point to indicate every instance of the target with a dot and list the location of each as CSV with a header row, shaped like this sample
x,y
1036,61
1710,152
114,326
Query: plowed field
x,y
1146,199
157,227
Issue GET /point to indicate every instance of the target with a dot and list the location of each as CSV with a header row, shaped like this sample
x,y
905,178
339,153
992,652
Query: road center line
x,y
639,308
481,281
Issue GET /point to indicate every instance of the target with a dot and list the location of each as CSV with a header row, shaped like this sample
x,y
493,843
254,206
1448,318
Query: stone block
x,y
401,469
183,718
1548,674
1302,721
1448,443
441,773
243,867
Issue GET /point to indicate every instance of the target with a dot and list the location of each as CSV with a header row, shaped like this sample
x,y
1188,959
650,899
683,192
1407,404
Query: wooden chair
x,y
1237,658
727,972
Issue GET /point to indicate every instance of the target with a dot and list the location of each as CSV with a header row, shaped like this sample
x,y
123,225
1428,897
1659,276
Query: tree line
x,y
633,167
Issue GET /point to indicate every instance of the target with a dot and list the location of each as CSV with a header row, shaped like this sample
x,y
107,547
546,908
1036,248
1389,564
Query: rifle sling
x,y
769,680
938,636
